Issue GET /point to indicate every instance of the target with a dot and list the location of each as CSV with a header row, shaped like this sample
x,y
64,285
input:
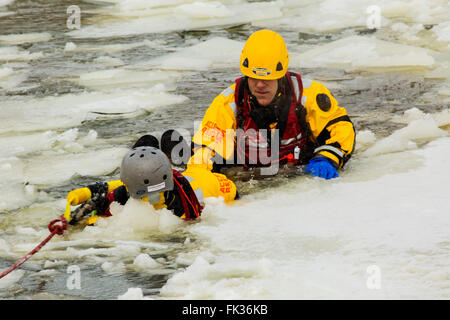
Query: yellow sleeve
x,y
330,125
216,132
207,184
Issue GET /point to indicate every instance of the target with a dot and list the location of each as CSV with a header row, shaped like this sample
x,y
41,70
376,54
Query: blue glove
x,y
321,167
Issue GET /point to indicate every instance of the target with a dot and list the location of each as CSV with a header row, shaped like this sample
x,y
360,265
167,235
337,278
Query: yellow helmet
x,y
264,56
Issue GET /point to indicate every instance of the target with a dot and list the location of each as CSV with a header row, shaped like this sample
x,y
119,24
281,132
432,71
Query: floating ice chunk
x,y
142,5
68,136
46,113
55,263
168,221
138,218
438,276
444,91
67,141
402,139
54,169
30,190
16,54
44,273
13,195
323,16
133,294
364,53
20,144
365,138
109,61
112,268
121,77
112,48
25,231
10,78
70,46
442,118
200,10
4,245
158,20
7,13
441,71
11,278
89,138
226,279
399,27
414,114
442,31
5,2
135,217
418,11
25,38
199,267
144,261
213,53
185,63
407,32
6,166
5,72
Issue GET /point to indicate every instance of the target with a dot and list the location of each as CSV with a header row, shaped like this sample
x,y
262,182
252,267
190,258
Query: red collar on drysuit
x,y
189,200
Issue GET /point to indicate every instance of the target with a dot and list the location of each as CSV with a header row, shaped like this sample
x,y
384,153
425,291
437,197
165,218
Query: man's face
x,y
263,90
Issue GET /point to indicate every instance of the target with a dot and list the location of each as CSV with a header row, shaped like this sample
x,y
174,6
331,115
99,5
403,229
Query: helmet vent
x,y
245,63
132,155
146,181
165,177
279,66
141,156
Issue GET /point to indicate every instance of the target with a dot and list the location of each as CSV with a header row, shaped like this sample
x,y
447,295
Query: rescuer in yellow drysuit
x,y
270,116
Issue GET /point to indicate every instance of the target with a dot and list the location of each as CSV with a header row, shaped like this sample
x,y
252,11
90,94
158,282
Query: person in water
x,y
271,115
146,174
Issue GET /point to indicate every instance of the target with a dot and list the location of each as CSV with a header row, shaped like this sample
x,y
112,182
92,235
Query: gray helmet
x,y
146,171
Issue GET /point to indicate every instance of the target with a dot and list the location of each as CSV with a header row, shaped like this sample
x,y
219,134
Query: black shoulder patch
x,y
323,101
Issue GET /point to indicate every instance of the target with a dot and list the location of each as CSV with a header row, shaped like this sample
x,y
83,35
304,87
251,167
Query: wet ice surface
x,y
73,101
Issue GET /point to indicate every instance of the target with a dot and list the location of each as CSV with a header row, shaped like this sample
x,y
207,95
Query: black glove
x,y
173,202
99,197
98,201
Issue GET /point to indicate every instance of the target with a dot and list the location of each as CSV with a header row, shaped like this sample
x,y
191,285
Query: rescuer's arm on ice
x,y
97,198
99,195
331,129
215,136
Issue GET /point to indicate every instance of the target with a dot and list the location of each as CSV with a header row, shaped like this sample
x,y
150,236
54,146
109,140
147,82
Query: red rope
x,y
187,198
56,226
